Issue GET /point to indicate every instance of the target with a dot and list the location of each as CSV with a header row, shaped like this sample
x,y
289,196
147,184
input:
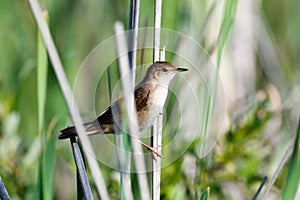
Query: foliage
x,y
257,127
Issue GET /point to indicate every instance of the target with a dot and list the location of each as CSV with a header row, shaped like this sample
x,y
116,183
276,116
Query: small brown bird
x,y
150,96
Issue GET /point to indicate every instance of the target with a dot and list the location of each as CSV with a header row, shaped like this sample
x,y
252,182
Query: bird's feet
x,y
153,150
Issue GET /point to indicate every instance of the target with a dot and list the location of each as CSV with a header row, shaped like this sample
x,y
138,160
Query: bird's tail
x,y
68,133
91,128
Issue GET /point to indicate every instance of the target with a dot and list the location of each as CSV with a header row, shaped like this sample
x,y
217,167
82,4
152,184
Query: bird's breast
x,y
156,101
159,95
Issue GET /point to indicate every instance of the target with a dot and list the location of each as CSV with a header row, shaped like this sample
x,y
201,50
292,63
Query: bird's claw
x,y
153,150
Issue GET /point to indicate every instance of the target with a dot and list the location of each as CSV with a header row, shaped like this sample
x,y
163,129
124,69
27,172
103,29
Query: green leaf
x,y
48,165
122,140
42,72
293,176
205,194
228,18
47,159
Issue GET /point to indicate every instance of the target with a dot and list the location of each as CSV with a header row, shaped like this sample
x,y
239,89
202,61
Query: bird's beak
x,y
181,69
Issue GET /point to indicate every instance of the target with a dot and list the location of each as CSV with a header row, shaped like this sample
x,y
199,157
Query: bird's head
x,y
163,72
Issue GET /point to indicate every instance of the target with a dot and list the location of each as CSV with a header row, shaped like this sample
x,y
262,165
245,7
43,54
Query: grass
x,y
293,177
122,143
256,130
48,154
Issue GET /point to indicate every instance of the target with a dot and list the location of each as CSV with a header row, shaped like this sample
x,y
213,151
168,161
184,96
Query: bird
x,y
150,96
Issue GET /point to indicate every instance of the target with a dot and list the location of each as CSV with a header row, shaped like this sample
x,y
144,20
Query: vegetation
x,y
247,122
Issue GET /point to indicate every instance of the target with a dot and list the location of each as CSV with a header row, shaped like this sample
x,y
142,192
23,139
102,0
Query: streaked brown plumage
x,y
150,96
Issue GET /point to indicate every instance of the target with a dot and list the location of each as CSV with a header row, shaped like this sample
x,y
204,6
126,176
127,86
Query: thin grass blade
x,y
67,92
127,87
156,132
3,192
47,159
205,194
123,146
293,177
228,18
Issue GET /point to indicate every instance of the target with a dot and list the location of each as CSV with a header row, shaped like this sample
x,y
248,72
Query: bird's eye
x,y
164,69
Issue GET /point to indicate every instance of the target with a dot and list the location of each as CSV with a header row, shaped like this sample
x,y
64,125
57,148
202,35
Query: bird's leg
x,y
153,150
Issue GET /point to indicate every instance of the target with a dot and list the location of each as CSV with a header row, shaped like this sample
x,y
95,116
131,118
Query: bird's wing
x,y
110,114
141,95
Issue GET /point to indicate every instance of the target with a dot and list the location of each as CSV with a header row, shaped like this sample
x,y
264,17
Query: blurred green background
x,y
259,70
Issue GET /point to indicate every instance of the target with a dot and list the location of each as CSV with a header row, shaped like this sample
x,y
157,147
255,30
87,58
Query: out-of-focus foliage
x,y
262,111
